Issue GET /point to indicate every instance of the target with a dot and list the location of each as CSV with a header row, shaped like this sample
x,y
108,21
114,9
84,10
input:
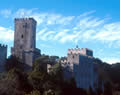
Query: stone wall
x,y
83,51
84,72
80,65
25,40
3,56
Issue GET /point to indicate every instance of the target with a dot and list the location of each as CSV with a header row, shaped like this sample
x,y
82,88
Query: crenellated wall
x,y
3,56
83,51
80,65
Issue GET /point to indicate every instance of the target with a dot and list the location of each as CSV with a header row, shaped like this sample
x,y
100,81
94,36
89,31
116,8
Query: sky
x,y
63,24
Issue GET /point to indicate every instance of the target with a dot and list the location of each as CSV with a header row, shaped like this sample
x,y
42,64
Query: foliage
x,y
108,88
90,91
110,75
38,82
40,64
2,75
34,92
13,62
15,82
37,79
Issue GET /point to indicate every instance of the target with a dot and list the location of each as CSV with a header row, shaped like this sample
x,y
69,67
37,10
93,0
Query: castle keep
x,y
25,40
80,65
3,56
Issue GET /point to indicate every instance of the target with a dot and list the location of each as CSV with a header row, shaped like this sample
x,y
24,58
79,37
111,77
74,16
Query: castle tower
x,y
81,62
3,56
25,40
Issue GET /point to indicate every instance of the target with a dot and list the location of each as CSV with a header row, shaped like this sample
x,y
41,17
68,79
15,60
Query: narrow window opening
x,y
25,25
73,56
22,36
20,47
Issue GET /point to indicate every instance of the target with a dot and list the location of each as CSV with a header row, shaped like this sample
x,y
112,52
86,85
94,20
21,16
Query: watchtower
x,y
25,40
3,56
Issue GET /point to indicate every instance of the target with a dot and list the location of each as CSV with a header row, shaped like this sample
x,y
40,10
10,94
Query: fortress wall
x,y
3,56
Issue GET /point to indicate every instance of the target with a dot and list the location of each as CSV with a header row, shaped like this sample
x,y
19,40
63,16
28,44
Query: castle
x,y
3,56
80,65
25,41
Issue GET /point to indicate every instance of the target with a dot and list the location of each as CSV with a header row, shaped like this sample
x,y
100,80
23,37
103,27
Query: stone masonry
x,y
80,65
25,40
3,56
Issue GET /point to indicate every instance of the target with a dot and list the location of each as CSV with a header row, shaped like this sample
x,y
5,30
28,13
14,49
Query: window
x,y
22,36
25,25
73,56
20,46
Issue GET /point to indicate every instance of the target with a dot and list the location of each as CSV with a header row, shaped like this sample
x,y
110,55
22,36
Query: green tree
x,y
15,83
40,64
37,79
34,92
108,88
13,62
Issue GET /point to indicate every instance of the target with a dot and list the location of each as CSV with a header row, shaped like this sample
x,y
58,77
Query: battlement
x,y
25,19
25,40
3,46
83,51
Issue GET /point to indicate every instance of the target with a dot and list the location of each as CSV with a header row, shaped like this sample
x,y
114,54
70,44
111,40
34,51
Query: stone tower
x,y
3,56
25,40
81,61
80,65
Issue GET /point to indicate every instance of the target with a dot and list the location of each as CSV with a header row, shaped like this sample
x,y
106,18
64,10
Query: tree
x,y
15,83
34,92
56,72
13,62
90,91
37,79
40,64
108,90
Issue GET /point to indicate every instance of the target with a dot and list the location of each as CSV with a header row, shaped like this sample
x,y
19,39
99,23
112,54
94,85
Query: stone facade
x,y
3,56
25,40
80,65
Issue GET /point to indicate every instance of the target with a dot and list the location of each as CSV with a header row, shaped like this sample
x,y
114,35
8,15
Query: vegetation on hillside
x,y
16,81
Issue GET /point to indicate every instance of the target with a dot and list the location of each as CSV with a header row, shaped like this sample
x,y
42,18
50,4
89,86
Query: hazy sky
x,y
63,24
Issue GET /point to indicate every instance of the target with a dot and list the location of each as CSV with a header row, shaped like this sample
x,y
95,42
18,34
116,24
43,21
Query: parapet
x,y
25,19
74,51
3,46
83,51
